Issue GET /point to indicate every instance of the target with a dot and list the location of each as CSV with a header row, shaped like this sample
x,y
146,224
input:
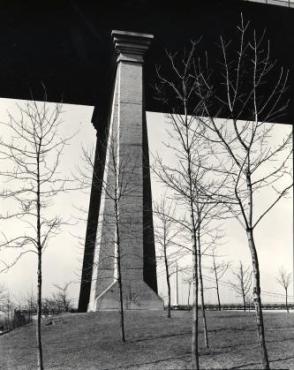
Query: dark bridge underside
x,y
66,44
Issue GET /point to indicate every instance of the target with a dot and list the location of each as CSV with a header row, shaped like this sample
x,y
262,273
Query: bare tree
x,y
249,86
8,306
284,279
115,188
188,178
33,154
3,294
116,185
208,235
245,86
30,303
181,178
242,287
62,296
189,281
218,269
166,235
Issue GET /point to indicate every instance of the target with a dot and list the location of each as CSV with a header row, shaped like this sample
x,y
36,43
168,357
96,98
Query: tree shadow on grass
x,y
258,363
220,350
232,316
254,345
211,331
246,364
186,358
154,337
246,328
136,365
283,359
280,340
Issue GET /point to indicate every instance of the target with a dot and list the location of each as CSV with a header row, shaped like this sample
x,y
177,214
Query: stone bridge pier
x,y
126,172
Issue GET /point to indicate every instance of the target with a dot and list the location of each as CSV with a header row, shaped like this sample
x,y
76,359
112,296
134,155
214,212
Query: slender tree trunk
x,y
216,284
177,284
169,299
244,302
119,278
218,297
39,313
203,309
242,287
258,305
287,308
189,291
121,302
195,349
256,274
168,283
195,325
39,271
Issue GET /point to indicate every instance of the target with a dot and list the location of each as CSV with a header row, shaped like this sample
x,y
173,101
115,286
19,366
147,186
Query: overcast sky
x,y
62,259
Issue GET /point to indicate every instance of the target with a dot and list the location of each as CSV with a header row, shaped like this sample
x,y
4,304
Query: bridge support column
x,y
125,173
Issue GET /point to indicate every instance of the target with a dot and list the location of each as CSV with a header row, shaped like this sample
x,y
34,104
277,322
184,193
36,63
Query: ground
x,y
92,341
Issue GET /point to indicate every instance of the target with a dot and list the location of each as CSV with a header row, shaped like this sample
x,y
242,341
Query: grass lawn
x,y
92,341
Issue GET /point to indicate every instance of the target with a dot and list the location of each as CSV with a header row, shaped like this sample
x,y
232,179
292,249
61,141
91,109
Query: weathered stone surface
x,y
137,295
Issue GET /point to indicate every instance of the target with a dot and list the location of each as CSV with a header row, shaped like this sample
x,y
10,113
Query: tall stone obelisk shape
x,y
124,176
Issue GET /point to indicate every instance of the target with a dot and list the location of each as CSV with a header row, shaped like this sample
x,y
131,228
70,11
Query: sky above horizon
x,y
63,258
